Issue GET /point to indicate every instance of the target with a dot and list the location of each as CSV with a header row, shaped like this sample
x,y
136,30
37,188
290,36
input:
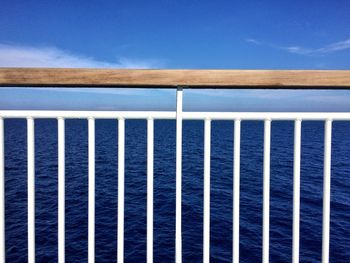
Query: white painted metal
x,y
206,194
291,116
91,197
326,189
236,190
2,193
150,151
296,190
179,115
121,184
178,221
61,190
266,191
317,116
31,189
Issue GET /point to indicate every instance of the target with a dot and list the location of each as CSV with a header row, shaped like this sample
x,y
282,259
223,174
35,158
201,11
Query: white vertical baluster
x,y
61,190
91,213
178,223
296,190
326,189
31,189
2,193
206,195
121,179
150,151
266,192
236,190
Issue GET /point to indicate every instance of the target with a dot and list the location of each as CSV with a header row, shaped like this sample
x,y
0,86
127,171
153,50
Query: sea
x,y
281,205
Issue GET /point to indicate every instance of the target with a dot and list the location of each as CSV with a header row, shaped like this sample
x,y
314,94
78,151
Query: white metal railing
x,y
179,115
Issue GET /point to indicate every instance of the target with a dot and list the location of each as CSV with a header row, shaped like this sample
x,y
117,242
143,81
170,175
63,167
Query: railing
x,y
179,79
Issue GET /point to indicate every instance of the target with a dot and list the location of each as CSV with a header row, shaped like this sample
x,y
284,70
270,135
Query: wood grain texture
x,y
164,78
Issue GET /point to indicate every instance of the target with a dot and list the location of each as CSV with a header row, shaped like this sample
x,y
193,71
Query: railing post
x,y
121,185
326,189
61,190
236,190
150,151
266,191
296,190
178,223
91,196
31,189
206,194
2,193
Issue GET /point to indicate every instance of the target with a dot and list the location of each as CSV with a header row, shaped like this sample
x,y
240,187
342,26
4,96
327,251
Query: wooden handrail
x,y
170,78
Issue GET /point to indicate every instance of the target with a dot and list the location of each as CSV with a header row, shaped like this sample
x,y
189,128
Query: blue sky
x,y
175,34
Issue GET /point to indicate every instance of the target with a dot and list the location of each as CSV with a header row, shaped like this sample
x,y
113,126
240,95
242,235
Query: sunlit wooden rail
x,y
165,78
179,79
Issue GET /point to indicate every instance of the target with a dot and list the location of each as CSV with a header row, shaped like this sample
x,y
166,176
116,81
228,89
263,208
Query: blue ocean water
x,y
164,196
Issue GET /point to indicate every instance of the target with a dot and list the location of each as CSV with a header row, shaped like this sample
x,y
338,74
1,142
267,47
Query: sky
x,y
175,34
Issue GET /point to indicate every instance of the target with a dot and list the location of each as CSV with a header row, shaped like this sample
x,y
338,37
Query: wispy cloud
x,y
331,48
28,56
253,41
298,50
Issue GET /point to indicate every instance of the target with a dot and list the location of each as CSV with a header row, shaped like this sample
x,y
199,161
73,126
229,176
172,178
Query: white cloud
x,y
298,50
331,48
27,56
334,47
338,46
253,41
